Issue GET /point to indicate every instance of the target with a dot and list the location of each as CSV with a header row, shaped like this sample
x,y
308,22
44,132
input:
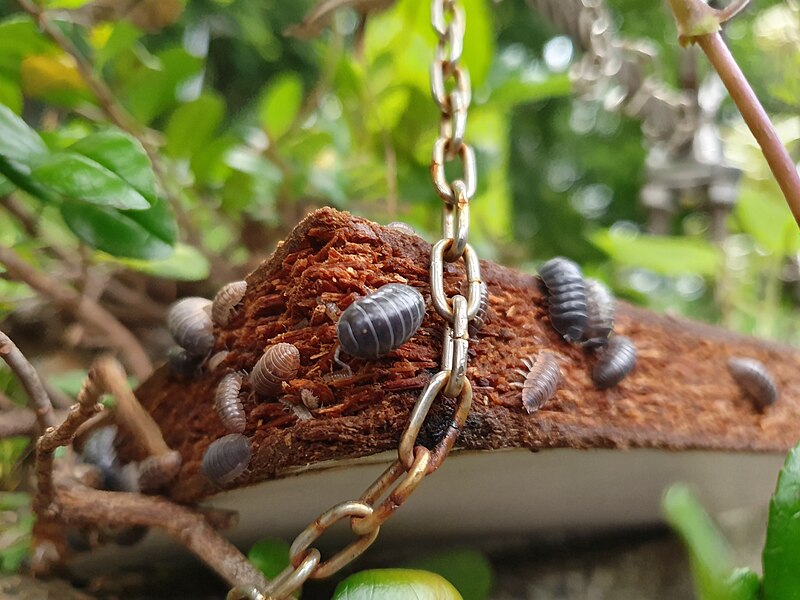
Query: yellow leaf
x,y
54,78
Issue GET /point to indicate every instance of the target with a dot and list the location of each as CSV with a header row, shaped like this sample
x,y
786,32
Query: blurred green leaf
x,y
193,124
280,102
395,584
144,234
709,554
468,570
69,382
782,548
515,90
767,218
664,255
10,94
17,140
186,263
270,556
81,178
123,155
479,47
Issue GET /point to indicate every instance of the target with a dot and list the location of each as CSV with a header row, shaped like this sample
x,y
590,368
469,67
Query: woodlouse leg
x,y
345,367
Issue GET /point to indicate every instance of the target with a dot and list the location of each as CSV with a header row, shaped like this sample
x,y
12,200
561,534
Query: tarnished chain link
x,y
450,89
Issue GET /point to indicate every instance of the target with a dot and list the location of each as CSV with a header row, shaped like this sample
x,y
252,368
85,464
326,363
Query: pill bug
x,y
226,300
189,321
477,323
279,363
216,360
309,399
228,404
98,450
614,364
226,458
566,297
600,310
380,322
404,227
754,379
182,363
541,380
157,472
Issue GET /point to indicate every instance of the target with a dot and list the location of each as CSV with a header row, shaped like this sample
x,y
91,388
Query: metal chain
x,y
620,72
450,89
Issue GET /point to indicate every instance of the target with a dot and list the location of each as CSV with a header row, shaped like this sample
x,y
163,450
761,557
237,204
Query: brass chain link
x,y
450,89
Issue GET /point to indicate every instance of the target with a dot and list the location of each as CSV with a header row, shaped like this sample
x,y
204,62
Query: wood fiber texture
x,y
680,396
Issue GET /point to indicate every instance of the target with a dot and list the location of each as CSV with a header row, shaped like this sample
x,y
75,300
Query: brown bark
x,y
680,396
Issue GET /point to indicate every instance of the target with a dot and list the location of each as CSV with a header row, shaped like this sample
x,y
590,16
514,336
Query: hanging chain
x,y
450,89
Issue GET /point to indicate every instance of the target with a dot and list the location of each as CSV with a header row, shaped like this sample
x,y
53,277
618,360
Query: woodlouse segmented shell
x,y
189,321
226,458
476,324
374,325
754,379
226,300
182,363
278,364
228,404
614,364
541,380
402,226
566,297
601,309
157,472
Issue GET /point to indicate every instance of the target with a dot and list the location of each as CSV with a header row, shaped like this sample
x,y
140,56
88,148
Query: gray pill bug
x,y
226,300
189,321
99,450
279,363
182,363
615,363
477,323
374,325
226,458
541,380
566,297
600,311
754,379
404,227
157,472
228,404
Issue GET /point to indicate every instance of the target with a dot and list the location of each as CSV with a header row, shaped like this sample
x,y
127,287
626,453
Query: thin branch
x,y
37,396
82,308
19,421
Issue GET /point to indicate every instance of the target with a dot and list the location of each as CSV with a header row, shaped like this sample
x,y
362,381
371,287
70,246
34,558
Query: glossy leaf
x,y
17,140
186,263
468,570
280,103
193,124
782,548
144,234
123,155
664,255
395,584
270,556
81,178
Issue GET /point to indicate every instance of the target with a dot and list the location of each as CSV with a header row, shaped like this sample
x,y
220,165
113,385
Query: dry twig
x,y
18,421
29,378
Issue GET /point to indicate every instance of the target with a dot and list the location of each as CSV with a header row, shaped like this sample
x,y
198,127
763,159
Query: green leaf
x,y
395,584
516,91
122,155
664,255
768,220
81,178
782,548
193,124
17,140
280,103
468,570
709,554
145,234
186,263
270,556
69,382
479,40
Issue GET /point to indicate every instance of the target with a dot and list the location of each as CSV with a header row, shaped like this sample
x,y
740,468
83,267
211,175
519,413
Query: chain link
x,y
450,90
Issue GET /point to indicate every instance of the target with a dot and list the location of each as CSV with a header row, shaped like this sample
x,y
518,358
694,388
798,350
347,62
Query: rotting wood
x,y
680,396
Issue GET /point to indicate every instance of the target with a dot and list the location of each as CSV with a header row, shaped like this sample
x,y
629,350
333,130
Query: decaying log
x,y
680,396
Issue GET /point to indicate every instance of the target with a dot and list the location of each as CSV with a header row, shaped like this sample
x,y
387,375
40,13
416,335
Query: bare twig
x,y
18,421
84,506
84,309
39,401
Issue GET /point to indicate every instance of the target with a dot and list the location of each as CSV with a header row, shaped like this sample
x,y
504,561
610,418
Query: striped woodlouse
x,y
279,363
226,458
615,363
566,297
189,321
374,325
402,226
600,313
754,379
541,380
228,404
477,323
226,300
157,472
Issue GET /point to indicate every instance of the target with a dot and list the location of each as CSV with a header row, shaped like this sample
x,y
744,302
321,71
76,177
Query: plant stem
x,y
781,164
23,369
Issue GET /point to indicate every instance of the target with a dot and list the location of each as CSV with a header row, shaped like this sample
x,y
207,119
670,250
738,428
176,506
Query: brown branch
x,y
19,421
82,308
85,506
37,396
